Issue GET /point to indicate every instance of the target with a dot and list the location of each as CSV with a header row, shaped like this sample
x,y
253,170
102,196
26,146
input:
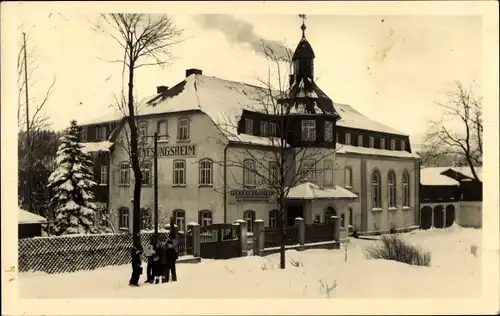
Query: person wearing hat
x,y
171,256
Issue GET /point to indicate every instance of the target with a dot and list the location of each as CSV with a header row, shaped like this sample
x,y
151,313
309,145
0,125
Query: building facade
x,y
219,154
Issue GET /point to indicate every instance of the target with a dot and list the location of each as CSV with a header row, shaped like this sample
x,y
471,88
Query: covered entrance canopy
x,y
311,191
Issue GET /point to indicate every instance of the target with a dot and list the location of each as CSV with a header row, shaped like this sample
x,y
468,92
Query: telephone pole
x,y
28,136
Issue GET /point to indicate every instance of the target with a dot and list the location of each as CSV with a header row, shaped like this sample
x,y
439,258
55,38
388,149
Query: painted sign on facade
x,y
252,195
169,151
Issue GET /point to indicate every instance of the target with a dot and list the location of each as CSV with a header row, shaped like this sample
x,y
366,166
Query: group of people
x,y
161,261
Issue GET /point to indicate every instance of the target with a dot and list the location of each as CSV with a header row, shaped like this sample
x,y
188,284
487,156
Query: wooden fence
x,y
272,236
318,232
85,252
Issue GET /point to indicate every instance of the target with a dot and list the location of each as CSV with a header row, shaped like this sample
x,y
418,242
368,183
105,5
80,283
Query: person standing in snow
x,y
157,269
173,234
161,252
136,267
171,256
149,252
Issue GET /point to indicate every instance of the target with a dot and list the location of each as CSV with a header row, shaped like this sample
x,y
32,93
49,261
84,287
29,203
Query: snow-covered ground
x,y
455,272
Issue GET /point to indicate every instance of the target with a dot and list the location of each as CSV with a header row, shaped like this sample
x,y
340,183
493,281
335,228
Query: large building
x,y
217,156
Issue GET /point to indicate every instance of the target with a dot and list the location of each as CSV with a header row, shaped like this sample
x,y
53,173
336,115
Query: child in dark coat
x,y
171,256
136,267
157,268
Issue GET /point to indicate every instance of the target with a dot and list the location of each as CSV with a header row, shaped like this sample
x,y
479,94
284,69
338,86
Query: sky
x,y
391,68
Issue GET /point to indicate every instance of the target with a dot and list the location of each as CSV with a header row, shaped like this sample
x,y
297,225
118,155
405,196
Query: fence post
x,y
195,231
336,231
258,236
243,236
299,222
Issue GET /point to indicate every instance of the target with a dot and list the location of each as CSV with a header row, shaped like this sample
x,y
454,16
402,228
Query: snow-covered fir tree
x,y
72,187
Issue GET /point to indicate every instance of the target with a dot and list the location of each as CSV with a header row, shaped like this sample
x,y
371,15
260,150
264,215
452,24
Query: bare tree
x,y
33,162
269,161
146,40
465,139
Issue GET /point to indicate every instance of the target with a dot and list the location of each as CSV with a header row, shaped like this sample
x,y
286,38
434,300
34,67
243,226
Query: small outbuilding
x,y
29,224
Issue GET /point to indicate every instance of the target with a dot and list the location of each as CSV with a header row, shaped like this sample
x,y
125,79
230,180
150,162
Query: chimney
x,y
191,71
161,89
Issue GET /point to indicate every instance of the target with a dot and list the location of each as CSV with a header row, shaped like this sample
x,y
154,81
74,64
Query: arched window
x,y
146,173
206,172
348,177
406,189
273,219
124,174
123,218
249,217
179,218
391,185
329,212
205,218
376,189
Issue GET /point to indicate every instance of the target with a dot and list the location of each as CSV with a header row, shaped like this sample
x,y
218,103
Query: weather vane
x,y
303,27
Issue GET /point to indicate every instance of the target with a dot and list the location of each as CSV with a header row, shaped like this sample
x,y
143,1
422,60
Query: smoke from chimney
x,y
241,32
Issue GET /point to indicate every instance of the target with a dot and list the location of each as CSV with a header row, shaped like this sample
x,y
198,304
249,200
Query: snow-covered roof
x,y
433,176
351,118
348,149
25,217
97,146
309,191
467,172
223,101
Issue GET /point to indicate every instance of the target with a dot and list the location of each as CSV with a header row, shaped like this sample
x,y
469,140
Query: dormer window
x,y
249,126
328,131
308,130
371,142
393,144
264,128
403,145
382,143
347,139
360,140
100,133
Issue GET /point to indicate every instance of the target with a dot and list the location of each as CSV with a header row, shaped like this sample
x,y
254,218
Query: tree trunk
x,y
282,233
136,219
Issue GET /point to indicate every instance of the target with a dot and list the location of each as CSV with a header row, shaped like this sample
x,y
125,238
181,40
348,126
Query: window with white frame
x,y
179,172
179,218
347,139
100,133
206,172
249,172
371,142
360,140
249,217
393,144
406,189
273,219
264,128
123,218
376,189
308,130
162,130
328,172
205,218
83,135
391,184
249,126
146,173
382,143
272,129
183,128
348,177
328,131
273,173
309,170
142,131
403,145
104,175
124,173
